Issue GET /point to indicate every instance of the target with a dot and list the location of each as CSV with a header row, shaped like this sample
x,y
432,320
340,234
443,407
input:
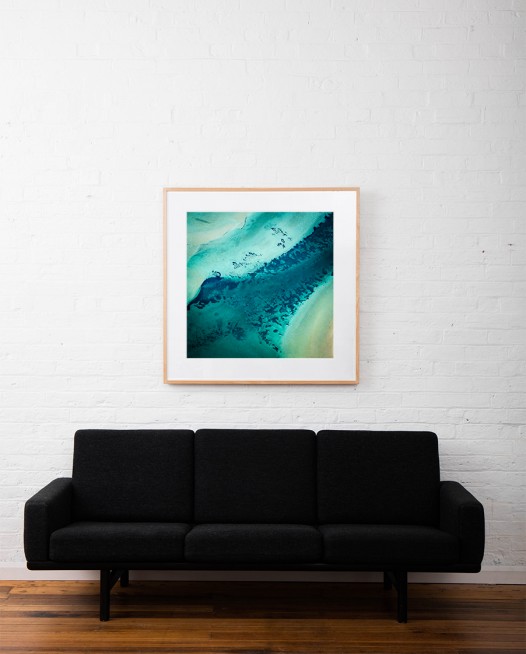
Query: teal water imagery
x,y
260,285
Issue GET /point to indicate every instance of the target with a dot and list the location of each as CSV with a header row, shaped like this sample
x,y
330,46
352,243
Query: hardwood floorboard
x,y
43,617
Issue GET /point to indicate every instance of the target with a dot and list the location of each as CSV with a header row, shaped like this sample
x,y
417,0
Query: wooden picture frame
x,y
261,285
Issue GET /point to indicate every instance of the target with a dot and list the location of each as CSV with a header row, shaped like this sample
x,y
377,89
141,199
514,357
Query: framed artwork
x,y
261,285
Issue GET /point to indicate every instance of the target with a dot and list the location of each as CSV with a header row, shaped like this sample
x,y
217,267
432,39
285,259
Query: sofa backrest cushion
x,y
255,476
378,477
133,475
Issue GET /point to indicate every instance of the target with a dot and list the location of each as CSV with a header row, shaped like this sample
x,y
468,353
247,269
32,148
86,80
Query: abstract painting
x,y
261,285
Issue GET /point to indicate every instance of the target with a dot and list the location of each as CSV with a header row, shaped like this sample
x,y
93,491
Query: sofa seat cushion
x,y
385,544
119,541
253,543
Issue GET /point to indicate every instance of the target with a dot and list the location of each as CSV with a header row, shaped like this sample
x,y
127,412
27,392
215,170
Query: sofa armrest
x,y
462,515
47,510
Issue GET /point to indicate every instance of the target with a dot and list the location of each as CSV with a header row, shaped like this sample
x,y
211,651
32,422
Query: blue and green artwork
x,y
260,285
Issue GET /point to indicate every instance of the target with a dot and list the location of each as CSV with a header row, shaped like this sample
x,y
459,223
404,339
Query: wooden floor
x,y
249,617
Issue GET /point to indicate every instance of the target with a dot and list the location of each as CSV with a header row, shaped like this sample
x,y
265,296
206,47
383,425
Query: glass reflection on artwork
x,y
260,285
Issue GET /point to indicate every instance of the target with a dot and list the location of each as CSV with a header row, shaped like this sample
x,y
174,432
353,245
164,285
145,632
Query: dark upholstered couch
x,y
254,500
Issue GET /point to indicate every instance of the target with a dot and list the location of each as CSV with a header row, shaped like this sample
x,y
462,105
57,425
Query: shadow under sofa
x,y
246,499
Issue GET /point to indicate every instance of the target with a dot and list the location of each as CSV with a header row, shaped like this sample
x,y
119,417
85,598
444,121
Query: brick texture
x,y
418,102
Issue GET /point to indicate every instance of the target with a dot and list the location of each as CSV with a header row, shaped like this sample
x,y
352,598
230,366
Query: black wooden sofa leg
x,y
125,578
401,587
108,579
398,579
105,590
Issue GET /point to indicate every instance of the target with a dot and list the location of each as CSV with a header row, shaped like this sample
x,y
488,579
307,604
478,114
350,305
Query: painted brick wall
x,y
418,102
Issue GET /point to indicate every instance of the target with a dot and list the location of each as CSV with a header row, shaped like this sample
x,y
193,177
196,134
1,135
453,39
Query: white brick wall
x,y
418,102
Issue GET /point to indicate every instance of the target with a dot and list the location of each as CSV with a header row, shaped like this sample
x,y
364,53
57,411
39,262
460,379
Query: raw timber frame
x,y
342,367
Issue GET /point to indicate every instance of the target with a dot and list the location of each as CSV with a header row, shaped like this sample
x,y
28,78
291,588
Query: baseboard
x,y
500,575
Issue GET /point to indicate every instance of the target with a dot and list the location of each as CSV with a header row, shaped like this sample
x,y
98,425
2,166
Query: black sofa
x,y
254,500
